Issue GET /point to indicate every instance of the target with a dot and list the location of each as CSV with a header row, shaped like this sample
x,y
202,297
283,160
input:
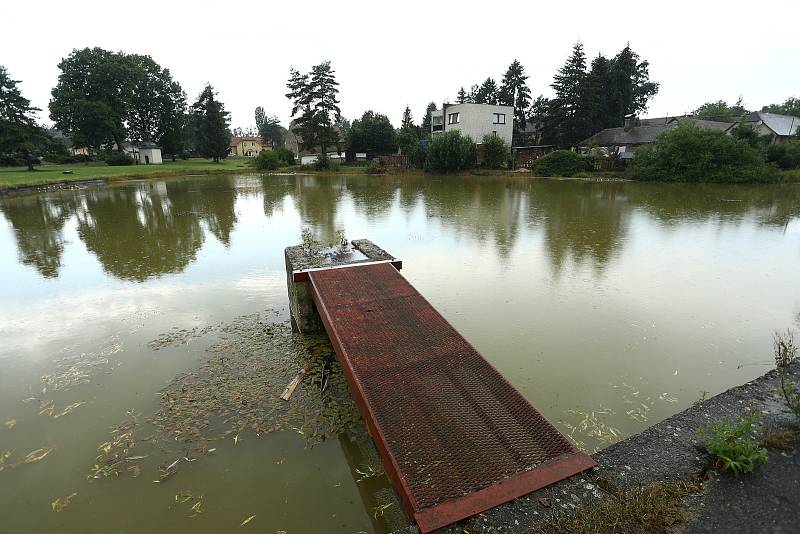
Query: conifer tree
x,y
566,124
315,97
514,91
462,96
19,133
487,93
426,120
472,96
212,123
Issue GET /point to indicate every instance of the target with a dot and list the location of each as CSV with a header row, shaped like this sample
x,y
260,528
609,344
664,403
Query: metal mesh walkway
x,y
455,437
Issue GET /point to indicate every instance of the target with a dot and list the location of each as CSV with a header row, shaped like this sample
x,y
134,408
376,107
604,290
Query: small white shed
x,y
150,154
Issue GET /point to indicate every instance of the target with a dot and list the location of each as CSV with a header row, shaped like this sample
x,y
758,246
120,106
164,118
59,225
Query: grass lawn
x,y
46,173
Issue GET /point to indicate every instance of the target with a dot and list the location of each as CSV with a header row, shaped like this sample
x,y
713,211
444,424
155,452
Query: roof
x,y
783,125
148,144
236,140
655,121
709,125
635,136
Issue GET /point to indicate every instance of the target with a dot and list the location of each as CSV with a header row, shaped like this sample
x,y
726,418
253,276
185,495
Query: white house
x,y
475,120
149,154
780,128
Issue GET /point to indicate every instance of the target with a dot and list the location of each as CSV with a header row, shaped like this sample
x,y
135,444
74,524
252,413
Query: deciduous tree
x,y
372,133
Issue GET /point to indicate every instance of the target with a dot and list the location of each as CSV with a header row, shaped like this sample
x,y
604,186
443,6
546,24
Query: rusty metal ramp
x,y
454,436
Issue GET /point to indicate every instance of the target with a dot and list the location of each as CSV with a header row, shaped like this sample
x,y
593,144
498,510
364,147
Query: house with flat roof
x,y
475,120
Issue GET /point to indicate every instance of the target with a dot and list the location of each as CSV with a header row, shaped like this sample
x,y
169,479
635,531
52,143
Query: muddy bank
x,y
671,451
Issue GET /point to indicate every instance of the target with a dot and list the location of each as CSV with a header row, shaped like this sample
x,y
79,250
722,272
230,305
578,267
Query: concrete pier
x,y
300,260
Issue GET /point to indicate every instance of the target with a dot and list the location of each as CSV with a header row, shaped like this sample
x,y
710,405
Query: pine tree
x,y
426,120
596,97
566,124
212,123
462,96
514,91
631,88
473,94
19,133
408,121
315,97
487,93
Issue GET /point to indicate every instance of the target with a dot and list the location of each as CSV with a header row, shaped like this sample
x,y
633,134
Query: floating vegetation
x,y
238,388
591,425
62,502
5,456
37,455
247,520
195,503
68,409
115,458
366,472
180,336
79,369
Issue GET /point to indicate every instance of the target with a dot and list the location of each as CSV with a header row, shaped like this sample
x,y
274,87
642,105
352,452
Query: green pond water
x,y
144,335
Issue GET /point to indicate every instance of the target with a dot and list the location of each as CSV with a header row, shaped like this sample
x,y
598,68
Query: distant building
x,y
475,120
780,128
149,154
248,147
620,142
294,143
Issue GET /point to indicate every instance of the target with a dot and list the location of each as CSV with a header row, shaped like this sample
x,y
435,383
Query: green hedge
x,y
561,163
450,152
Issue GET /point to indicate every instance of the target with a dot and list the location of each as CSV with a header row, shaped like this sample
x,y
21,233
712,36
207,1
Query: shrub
x,y
268,160
495,152
688,153
10,160
450,152
734,445
286,156
119,159
374,168
785,155
561,163
324,163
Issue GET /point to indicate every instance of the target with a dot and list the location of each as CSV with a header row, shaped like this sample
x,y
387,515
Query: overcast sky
x,y
391,54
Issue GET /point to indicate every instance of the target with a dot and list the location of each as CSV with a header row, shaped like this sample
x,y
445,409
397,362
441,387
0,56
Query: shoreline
x,y
668,452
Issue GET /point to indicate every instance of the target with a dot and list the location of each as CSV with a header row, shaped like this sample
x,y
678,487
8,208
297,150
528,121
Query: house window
x,y
499,118
452,118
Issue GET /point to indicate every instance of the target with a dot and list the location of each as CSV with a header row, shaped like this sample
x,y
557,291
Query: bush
x,y
785,351
561,163
688,153
495,152
286,156
268,160
374,168
450,152
10,160
324,163
785,155
734,445
119,159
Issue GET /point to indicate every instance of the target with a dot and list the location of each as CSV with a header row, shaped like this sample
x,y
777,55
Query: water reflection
x,y
147,229
38,224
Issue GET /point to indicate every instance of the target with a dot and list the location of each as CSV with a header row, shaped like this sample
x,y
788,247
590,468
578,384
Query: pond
x,y
145,337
